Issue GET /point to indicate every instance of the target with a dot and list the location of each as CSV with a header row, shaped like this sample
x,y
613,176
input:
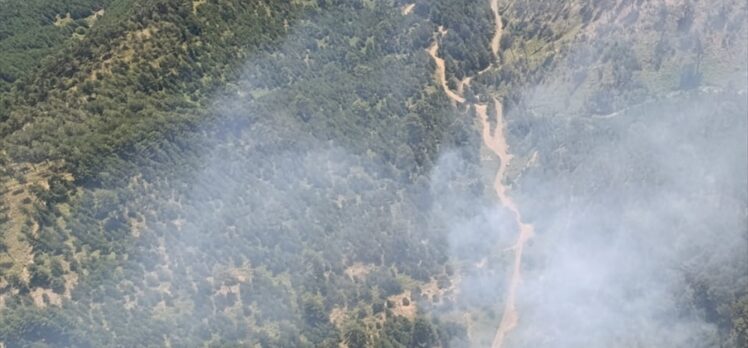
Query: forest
x,y
291,174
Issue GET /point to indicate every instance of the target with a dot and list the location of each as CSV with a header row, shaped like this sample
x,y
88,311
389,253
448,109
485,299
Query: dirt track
x,y
496,142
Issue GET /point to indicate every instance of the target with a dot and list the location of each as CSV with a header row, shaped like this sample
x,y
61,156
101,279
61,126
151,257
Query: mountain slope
x,y
277,174
127,136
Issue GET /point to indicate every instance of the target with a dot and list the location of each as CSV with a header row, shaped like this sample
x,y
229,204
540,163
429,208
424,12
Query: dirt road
x,y
496,142
441,74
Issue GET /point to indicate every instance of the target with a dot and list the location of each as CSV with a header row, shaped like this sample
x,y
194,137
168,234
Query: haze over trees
x,y
291,174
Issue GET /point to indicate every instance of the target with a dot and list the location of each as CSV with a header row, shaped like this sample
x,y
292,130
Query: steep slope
x,y
294,174
31,30
176,181
582,83
562,63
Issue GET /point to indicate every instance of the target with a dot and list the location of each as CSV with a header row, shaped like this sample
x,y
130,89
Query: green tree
x,y
355,337
423,334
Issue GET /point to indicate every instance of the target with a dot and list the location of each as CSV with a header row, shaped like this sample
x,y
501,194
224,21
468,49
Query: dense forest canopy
x,y
299,174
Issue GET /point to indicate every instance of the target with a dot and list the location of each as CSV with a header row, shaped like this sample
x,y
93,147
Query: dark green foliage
x,y
466,47
217,184
355,337
423,334
28,32
35,326
214,169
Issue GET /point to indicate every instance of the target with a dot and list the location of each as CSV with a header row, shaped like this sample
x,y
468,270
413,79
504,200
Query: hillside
x,y
309,174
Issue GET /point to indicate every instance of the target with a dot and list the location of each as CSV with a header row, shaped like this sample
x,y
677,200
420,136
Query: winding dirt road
x,y
496,142
441,72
